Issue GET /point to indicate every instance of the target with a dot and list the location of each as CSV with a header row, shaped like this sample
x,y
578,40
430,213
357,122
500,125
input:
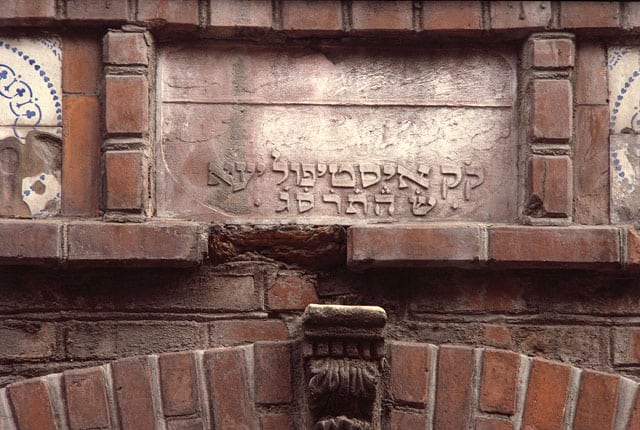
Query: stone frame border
x,y
557,189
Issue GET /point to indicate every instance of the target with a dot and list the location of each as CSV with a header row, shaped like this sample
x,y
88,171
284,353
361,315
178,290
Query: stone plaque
x,y
336,134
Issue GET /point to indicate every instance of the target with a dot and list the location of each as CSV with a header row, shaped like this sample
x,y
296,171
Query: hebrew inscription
x,y
327,135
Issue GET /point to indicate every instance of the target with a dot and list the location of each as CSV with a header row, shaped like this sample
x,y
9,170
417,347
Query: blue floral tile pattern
x,y
30,99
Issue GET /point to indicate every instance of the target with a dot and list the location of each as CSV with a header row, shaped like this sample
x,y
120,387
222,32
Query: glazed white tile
x,y
30,82
625,175
624,88
21,132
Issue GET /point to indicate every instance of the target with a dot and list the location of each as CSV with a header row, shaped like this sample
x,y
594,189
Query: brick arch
x,y
253,386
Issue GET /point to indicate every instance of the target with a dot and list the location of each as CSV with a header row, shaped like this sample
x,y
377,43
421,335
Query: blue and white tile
x,y
30,84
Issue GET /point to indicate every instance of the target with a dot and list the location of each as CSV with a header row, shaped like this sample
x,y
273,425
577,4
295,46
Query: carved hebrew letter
x,y
308,175
279,166
369,173
421,179
386,199
332,198
455,172
478,173
284,197
354,199
421,205
306,201
342,175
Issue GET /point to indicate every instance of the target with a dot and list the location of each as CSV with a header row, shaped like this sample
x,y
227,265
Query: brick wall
x,y
108,279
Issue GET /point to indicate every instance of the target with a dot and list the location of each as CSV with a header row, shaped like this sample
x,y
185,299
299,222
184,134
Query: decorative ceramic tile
x,y
624,89
625,171
30,126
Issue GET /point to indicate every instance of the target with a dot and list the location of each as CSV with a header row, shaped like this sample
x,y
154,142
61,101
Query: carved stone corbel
x,y
343,354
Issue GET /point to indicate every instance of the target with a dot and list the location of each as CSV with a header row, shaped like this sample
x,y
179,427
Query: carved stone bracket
x,y
343,352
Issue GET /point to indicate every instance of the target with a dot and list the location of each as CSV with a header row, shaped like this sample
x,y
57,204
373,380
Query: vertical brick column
x,y
127,126
549,60
81,86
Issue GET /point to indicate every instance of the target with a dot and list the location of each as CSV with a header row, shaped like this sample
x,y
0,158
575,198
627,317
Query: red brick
x,y
86,395
551,110
597,401
178,383
30,241
241,13
125,48
229,388
550,183
291,291
32,10
554,244
499,381
277,422
312,15
245,331
134,396
81,156
633,247
172,12
31,405
409,373
273,372
591,165
411,245
186,424
382,15
552,53
454,387
632,14
27,340
81,65
589,14
546,395
520,14
127,105
401,420
452,15
98,10
125,180
493,424
139,244
591,75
